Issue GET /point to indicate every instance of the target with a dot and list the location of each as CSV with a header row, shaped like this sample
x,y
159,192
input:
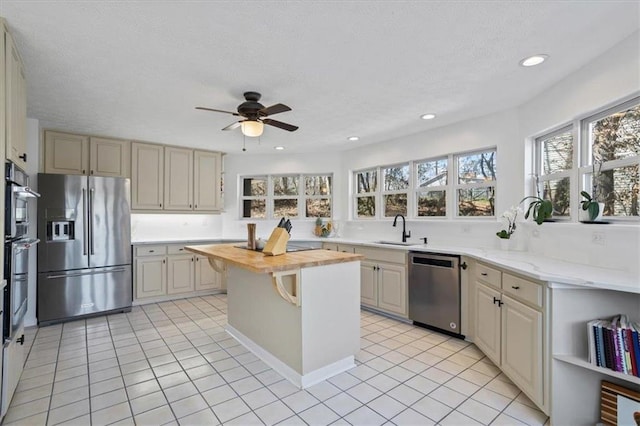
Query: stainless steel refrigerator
x,y
84,258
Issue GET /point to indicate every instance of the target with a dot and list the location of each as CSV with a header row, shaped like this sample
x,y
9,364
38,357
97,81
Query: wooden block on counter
x,y
277,243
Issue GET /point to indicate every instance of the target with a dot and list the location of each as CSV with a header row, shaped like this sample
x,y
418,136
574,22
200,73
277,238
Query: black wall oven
x,y
16,248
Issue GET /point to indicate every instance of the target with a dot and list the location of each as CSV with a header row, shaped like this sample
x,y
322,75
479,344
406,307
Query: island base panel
x,y
306,343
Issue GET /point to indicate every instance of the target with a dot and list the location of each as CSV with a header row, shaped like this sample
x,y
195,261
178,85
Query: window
x,y
601,157
423,189
475,187
431,188
396,190
286,196
555,158
254,197
366,183
611,168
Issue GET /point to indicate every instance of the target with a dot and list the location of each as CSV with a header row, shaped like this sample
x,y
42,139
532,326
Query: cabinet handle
x,y
164,261
152,251
20,340
495,300
160,204
91,172
515,287
84,171
196,206
189,205
23,157
197,259
464,265
192,259
484,274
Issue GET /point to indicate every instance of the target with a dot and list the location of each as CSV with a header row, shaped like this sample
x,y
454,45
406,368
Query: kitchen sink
x,y
394,243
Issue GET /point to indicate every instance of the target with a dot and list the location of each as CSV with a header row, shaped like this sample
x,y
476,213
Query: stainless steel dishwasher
x,y
434,290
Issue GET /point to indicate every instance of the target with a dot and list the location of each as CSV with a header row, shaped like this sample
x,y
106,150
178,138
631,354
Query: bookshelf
x,y
581,362
575,383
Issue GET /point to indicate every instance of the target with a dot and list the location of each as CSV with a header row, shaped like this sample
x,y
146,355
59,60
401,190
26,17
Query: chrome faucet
x,y
405,234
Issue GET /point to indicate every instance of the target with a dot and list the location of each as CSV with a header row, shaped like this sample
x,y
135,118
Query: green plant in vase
x,y
590,205
540,209
510,215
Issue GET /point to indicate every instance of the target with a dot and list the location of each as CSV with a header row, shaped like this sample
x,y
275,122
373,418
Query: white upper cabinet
x,y
109,157
147,176
206,180
70,154
15,102
178,179
65,153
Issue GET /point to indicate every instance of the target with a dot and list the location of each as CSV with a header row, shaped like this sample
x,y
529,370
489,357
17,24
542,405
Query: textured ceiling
x,y
137,69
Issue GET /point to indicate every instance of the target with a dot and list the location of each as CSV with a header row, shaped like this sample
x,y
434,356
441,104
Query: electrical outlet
x,y
598,238
535,233
466,229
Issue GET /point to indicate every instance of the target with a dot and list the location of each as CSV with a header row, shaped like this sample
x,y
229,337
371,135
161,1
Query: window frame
x,y
458,186
406,191
270,197
414,190
540,177
580,173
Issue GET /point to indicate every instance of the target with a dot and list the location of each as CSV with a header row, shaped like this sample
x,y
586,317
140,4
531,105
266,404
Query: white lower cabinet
x,y
162,271
368,283
180,273
206,277
12,365
151,276
509,328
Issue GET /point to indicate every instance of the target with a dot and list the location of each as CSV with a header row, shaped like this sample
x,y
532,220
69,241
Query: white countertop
x,y
555,272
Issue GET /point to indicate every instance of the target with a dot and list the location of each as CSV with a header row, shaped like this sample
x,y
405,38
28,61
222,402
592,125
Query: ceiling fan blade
x,y
273,109
219,110
280,124
233,126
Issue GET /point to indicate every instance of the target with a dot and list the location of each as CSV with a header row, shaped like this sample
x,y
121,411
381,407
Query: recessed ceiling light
x,y
533,60
353,138
279,148
429,116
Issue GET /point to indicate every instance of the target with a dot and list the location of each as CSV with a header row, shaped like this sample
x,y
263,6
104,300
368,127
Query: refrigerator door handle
x,y
81,274
85,235
91,191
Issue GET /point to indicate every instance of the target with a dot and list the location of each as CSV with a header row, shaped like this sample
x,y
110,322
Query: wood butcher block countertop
x,y
260,263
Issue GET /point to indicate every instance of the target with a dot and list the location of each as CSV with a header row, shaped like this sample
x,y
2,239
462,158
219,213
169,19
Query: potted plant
x,y
510,215
539,208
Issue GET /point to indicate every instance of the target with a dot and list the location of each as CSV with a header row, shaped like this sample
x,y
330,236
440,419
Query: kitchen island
x,y
298,312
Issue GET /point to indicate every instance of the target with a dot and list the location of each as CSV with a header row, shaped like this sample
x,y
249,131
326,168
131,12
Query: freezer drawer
x,y
66,294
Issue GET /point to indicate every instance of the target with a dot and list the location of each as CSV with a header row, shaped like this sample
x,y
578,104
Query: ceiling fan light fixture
x,y
429,116
252,128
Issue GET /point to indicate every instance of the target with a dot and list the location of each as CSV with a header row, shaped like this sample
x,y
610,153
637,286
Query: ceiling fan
x,y
255,115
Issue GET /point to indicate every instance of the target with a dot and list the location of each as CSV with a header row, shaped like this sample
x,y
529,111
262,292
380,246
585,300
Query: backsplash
x,y
149,227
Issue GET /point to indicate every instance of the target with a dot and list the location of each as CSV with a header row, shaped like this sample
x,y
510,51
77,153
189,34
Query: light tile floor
x,y
173,363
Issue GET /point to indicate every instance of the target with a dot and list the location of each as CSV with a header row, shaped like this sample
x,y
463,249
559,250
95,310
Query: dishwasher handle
x,y
447,262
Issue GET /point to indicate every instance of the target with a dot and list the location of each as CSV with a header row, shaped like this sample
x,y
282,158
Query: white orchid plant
x,y
510,216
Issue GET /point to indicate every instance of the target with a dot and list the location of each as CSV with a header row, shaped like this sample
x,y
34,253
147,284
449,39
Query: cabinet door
x,y
206,277
487,321
13,364
392,288
109,157
180,273
178,179
147,176
151,277
368,283
66,153
16,104
522,347
206,180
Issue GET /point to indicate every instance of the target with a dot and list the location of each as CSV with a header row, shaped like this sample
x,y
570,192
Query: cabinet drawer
x,y
393,256
150,250
177,249
488,275
525,290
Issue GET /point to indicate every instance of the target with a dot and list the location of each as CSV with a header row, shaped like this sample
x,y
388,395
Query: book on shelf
x,y
614,343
